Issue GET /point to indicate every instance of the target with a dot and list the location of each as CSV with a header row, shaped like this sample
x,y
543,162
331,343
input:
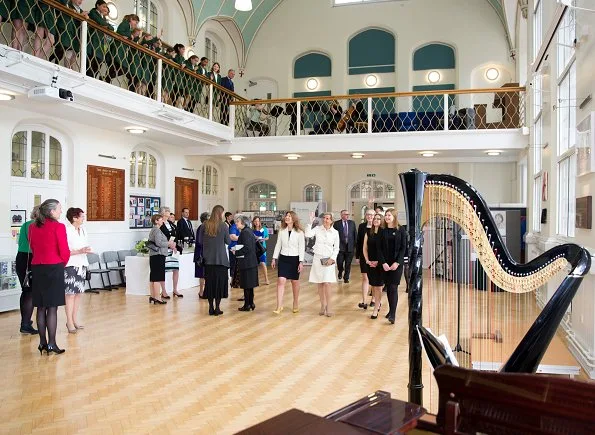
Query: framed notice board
x,y
105,193
187,196
141,210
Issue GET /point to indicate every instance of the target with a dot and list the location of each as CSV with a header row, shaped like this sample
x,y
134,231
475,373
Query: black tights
x,y
393,297
248,297
47,318
217,302
26,308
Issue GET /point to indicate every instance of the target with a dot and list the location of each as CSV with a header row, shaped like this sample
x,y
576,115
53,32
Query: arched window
x,y
211,51
369,189
143,170
36,155
210,180
372,51
148,12
261,197
312,193
434,67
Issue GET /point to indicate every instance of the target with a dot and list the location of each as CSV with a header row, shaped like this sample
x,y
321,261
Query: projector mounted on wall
x,y
49,93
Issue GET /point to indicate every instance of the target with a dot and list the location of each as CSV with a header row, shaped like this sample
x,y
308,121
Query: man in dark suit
x,y
185,228
227,83
347,238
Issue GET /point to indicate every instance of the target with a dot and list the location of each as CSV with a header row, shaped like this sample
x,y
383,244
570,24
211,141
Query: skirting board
x,y
587,361
571,371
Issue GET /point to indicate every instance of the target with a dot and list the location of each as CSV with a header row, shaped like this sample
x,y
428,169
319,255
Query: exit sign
x,y
371,175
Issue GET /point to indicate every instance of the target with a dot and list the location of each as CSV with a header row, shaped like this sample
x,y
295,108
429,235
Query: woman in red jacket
x,y
49,245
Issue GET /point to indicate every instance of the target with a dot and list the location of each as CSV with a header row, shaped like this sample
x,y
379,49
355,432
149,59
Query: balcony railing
x,y
53,32
471,109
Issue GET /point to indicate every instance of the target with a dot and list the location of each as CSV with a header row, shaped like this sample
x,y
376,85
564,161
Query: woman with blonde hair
x,y
362,230
215,235
289,255
375,272
393,242
326,250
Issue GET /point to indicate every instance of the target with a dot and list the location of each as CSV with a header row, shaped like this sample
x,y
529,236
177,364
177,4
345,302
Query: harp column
x,y
412,183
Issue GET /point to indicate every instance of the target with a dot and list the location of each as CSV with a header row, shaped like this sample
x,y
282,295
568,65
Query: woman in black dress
x,y
372,255
247,262
359,254
199,269
393,242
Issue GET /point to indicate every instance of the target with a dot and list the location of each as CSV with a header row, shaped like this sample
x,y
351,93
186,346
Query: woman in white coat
x,y
326,250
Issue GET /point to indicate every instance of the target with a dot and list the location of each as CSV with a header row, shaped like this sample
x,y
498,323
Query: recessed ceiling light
x,y
312,84
357,155
428,153
237,158
492,74
243,5
433,76
371,80
292,156
136,130
5,96
493,152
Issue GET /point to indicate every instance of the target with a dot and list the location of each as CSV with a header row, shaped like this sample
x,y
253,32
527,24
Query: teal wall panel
x,y
379,105
372,50
311,118
312,65
434,56
432,103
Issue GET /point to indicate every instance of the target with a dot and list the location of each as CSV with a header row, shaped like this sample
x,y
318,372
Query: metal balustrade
x,y
472,109
130,59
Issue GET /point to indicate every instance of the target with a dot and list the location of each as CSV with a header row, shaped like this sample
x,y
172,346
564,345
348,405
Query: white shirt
x,y
76,241
327,241
290,245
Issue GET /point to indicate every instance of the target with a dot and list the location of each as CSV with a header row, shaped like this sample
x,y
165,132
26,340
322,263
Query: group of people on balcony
x,y
57,38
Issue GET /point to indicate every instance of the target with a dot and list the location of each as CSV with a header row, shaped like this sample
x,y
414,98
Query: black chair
x,y
114,257
96,269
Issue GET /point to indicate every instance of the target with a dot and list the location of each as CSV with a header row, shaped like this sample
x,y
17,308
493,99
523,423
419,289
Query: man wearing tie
x,y
347,238
227,83
185,227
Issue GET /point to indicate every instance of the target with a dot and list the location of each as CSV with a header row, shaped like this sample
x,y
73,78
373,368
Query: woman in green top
x,y
97,39
120,51
5,8
23,265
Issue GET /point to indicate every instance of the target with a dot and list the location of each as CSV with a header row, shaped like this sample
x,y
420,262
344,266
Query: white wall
x,y
472,27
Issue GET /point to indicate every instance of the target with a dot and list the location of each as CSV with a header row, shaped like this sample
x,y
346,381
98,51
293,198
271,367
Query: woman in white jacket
x,y
289,256
326,250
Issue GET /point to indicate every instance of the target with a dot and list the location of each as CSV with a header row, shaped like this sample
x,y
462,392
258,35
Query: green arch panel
x,y
434,56
371,51
312,65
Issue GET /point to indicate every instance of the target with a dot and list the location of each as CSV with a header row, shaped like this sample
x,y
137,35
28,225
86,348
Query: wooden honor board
x,y
186,196
105,194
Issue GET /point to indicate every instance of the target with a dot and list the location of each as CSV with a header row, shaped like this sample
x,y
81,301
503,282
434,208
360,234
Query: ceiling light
x,y
136,130
5,96
493,152
433,76
371,80
357,155
312,84
292,156
428,153
244,5
492,74
237,158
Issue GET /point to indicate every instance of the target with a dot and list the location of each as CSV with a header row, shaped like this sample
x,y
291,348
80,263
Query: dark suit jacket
x,y
246,256
227,83
184,231
348,246
361,233
384,256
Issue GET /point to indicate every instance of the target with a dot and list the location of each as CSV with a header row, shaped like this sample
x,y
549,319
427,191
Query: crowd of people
x,y
56,37
52,261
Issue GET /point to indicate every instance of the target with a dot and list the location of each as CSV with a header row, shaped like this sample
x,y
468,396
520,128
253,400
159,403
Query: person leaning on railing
x,y
97,39
5,7
149,63
119,53
193,93
258,117
68,31
37,17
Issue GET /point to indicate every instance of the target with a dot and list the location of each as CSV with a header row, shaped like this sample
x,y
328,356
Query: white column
x,y
84,27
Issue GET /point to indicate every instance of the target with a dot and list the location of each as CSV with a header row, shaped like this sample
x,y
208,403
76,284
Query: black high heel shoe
x,y
244,308
165,297
55,349
363,305
178,295
211,312
252,307
374,317
156,301
41,348
218,312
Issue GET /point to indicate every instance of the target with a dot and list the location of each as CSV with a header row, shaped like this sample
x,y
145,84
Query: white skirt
x,y
320,273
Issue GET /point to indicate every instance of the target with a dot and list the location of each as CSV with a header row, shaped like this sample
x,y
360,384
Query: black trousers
x,y
393,298
344,263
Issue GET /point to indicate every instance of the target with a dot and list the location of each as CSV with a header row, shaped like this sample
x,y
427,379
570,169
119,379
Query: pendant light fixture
x,y
244,5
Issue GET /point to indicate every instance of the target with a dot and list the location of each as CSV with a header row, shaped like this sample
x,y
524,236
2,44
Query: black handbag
x,y
260,249
87,273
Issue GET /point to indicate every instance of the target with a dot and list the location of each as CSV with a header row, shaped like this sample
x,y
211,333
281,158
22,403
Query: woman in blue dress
x,y
261,233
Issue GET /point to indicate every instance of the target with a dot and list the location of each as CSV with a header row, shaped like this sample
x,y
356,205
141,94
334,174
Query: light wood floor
x,y
140,368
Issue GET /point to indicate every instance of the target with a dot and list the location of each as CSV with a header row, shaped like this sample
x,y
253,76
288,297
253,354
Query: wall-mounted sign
x,y
371,175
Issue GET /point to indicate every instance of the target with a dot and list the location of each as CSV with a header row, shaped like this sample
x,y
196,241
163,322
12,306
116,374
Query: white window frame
x,y
315,187
134,188
214,188
146,25
566,203
537,203
537,27
212,49
267,200
29,129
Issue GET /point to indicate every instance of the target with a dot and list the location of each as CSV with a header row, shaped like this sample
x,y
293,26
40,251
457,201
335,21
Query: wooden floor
x,y
140,368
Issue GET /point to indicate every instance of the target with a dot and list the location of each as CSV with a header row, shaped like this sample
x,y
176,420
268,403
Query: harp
x,y
429,196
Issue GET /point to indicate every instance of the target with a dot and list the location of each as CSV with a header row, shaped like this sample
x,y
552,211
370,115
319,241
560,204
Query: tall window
x,y
143,170
149,16
537,27
566,122
210,180
537,203
36,155
211,51
312,193
261,197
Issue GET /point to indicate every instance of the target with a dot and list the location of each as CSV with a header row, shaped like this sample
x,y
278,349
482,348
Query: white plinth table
x,y
137,275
